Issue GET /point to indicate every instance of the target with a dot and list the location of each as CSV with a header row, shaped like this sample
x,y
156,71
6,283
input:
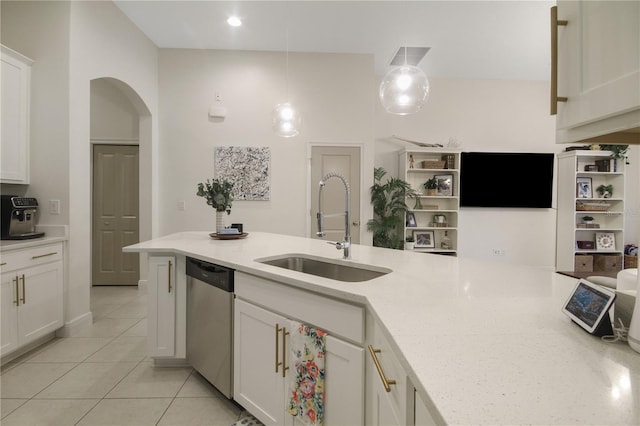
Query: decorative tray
x,y
215,236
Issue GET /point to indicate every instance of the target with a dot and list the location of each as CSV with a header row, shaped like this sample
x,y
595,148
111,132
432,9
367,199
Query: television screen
x,y
506,179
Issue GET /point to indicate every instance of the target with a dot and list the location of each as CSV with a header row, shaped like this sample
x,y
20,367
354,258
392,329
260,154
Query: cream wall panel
x,y
484,115
332,91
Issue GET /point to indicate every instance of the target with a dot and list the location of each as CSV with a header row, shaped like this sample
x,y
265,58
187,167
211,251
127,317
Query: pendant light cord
x,y
286,18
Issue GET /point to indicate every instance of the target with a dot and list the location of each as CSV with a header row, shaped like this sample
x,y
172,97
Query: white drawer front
x,y
335,317
32,256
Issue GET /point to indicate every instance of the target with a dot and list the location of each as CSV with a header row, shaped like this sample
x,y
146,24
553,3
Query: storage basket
x,y
630,261
583,263
607,262
433,164
592,207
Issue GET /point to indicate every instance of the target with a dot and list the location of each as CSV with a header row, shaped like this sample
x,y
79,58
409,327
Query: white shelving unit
x,y
413,169
573,206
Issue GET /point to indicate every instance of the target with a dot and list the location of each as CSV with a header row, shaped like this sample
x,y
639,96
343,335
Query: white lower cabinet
x,y
32,295
422,415
261,360
386,381
166,308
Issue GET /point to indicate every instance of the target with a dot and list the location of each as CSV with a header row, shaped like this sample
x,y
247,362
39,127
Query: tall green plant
x,y
389,210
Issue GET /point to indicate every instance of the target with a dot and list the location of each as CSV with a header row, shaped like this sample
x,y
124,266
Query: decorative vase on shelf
x,y
220,220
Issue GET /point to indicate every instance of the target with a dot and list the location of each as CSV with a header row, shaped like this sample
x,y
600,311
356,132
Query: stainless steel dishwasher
x,y
210,323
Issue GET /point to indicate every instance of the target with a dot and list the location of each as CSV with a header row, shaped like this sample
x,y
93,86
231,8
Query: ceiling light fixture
x,y
404,90
286,120
234,21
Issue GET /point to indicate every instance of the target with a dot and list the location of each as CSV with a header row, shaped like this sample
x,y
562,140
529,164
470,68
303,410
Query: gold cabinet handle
x,y
278,363
169,276
17,301
554,60
385,382
285,367
3,263
44,255
24,290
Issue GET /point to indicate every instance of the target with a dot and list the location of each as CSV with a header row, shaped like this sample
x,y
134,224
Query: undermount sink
x,y
326,268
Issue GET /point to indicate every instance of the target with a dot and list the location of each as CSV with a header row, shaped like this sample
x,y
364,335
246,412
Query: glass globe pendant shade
x,y
404,90
286,120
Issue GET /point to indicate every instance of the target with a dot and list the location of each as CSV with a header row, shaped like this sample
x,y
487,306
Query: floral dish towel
x,y
306,384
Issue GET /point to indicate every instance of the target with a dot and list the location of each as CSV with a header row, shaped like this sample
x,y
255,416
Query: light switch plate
x,y
54,206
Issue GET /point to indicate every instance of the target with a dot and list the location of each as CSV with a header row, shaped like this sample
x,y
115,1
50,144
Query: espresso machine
x,y
18,217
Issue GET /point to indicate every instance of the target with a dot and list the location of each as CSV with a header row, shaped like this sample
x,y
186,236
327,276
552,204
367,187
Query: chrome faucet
x,y
340,245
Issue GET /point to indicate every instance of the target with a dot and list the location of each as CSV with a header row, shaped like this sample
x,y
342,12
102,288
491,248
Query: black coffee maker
x,y
18,217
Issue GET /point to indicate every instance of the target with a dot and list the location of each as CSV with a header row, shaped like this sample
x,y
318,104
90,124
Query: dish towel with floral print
x,y
306,383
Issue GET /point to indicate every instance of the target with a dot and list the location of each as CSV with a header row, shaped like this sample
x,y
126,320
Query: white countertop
x,y
486,342
52,234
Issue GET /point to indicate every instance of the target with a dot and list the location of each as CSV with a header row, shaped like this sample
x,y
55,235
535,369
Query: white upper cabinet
x,y
598,71
15,91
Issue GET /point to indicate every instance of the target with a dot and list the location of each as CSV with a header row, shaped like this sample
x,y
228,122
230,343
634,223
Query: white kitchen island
x,y
483,343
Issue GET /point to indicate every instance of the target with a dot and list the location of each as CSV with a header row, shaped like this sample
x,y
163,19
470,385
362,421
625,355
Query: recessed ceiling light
x,y
234,21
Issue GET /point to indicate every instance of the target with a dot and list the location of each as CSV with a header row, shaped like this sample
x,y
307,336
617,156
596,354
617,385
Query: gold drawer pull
x,y
285,367
17,301
555,22
3,263
278,363
24,290
386,382
44,255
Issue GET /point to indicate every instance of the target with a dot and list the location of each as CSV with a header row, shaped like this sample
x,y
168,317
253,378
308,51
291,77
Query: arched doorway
x,y
120,138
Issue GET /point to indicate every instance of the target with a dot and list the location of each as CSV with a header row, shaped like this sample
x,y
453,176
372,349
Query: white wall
x,y
103,43
113,117
40,30
484,115
332,91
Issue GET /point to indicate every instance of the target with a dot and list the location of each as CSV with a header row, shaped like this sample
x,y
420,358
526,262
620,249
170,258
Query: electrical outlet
x,y
498,252
54,206
182,205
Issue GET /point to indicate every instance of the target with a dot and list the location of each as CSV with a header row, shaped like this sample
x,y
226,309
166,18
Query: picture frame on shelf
x,y
424,239
411,220
445,185
584,187
605,241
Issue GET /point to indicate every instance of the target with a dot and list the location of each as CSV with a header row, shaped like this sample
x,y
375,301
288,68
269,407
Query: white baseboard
x,y
170,362
73,327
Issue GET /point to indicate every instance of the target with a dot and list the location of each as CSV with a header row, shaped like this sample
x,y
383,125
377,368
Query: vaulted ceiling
x,y
468,39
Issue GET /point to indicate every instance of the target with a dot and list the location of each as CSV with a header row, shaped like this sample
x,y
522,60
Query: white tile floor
x,y
103,377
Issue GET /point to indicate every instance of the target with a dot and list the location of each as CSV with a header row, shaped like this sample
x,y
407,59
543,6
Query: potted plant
x,y
587,219
219,195
605,191
389,210
619,151
431,185
409,243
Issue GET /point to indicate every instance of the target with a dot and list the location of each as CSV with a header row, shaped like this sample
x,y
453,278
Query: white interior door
x,y
115,221
344,160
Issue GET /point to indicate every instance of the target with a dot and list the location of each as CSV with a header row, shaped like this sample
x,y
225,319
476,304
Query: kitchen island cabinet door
x,y
162,306
259,385
344,383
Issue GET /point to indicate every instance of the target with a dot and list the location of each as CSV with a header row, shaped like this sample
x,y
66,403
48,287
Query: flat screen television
x,y
506,179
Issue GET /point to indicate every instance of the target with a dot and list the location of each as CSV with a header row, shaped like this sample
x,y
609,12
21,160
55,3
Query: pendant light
x,y
285,118
405,89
